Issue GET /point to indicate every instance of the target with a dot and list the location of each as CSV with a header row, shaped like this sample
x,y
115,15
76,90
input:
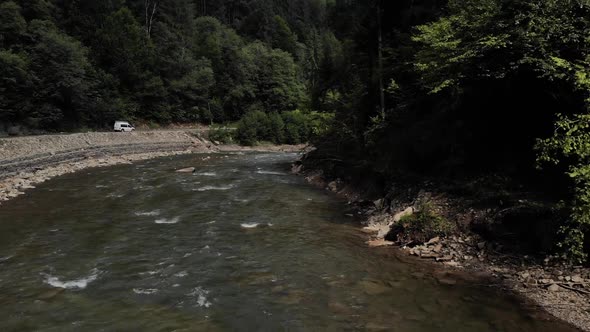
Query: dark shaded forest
x,y
449,88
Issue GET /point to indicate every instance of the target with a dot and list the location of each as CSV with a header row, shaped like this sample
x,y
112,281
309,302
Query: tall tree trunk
x,y
380,58
151,6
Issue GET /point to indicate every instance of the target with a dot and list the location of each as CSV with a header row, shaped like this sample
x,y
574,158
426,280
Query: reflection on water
x,y
240,245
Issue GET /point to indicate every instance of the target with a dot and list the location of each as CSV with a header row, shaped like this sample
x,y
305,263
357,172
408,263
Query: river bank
x,y
546,283
27,161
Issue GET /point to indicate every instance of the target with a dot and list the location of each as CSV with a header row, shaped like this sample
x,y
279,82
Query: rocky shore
x,y
548,284
27,161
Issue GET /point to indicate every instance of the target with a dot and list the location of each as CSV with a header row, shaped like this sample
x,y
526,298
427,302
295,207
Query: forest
x,y
447,88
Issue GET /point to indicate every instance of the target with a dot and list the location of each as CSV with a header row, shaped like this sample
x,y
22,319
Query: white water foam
x,y
181,274
207,188
269,173
165,221
200,293
250,225
151,272
254,225
5,259
145,291
72,284
206,174
148,214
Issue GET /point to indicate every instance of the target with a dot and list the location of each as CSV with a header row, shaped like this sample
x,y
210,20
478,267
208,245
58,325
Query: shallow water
x,y
240,245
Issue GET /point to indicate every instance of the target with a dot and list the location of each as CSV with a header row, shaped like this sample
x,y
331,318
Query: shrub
x,y
570,145
423,225
292,135
276,127
221,134
293,127
319,123
252,128
297,127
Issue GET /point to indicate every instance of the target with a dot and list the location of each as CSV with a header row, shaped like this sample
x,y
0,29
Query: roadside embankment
x,y
544,282
26,161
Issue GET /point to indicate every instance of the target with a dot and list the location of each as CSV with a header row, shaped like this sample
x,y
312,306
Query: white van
x,y
123,126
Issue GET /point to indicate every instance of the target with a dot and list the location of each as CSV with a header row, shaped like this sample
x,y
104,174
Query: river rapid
x,y
239,245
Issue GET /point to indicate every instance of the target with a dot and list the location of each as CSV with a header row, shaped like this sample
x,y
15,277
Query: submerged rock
x,y
186,170
373,287
50,294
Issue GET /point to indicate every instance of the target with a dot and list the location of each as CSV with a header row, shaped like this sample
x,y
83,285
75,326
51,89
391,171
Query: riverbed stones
x,y
438,248
553,288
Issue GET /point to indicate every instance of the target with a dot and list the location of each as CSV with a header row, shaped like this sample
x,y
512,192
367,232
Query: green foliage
x,y
126,52
454,48
63,75
177,65
294,127
297,129
282,37
571,142
276,128
272,76
15,81
12,24
252,128
425,224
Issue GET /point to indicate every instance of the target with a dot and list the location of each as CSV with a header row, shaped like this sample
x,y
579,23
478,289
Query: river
x,y
240,245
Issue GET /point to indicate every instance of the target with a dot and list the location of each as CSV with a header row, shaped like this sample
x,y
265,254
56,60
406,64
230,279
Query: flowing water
x,y
240,245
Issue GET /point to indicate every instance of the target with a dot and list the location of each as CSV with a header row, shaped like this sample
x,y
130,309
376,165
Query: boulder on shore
x,y
405,213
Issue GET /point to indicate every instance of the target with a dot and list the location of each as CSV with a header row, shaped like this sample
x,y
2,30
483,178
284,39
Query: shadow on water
x,y
239,245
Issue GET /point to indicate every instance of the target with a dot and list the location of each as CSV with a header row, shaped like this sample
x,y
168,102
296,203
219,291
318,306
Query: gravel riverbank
x,y
26,161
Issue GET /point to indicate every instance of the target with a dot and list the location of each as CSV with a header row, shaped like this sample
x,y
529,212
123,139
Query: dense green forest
x,y
433,87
